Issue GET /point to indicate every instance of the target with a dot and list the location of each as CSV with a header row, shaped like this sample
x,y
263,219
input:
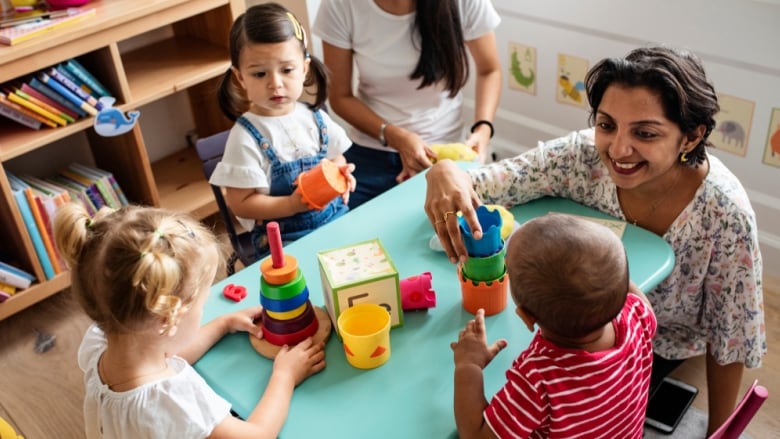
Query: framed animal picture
x,y
732,124
522,68
570,82
772,149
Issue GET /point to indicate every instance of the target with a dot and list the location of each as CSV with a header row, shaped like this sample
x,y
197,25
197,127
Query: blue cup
x,y
490,221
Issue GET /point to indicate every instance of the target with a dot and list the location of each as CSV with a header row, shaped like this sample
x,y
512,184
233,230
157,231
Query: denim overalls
x,y
281,183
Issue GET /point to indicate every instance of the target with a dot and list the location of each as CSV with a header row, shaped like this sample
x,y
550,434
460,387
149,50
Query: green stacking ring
x,y
284,291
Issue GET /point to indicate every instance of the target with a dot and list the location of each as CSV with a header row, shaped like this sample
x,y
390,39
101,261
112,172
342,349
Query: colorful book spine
x,y
102,183
64,117
15,277
89,187
46,121
38,215
15,98
53,95
69,95
30,225
86,77
55,73
71,116
17,116
77,192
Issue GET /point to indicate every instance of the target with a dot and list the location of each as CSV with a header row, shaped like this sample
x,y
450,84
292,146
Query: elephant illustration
x,y
732,133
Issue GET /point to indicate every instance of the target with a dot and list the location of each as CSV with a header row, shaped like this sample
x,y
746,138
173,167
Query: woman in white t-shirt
x,y
411,63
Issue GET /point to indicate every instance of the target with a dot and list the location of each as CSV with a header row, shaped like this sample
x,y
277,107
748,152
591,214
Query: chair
x,y
741,416
210,150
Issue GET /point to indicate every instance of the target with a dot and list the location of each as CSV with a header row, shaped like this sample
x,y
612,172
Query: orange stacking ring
x,y
292,338
282,275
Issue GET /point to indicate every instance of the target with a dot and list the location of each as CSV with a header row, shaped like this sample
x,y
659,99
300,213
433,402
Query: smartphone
x,y
668,404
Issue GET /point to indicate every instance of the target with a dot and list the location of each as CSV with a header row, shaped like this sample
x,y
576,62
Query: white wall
x,y
736,39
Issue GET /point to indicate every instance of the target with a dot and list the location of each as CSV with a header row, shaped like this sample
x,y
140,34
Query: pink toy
x,y
234,292
417,293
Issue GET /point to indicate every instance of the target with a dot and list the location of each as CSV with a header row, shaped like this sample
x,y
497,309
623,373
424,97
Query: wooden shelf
x,y
182,185
172,65
192,59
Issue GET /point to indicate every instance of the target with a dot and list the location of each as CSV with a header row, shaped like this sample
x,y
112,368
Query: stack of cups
x,y
483,278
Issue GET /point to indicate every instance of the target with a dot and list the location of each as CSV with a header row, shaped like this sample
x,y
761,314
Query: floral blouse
x,y
713,295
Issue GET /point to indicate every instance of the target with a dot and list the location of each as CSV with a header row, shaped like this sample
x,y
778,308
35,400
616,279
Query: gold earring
x,y
684,157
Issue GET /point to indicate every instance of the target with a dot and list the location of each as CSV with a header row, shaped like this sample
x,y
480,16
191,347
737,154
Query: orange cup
x,y
488,295
321,184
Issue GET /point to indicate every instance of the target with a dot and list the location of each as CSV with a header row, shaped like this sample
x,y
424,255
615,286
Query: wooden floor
x,y
41,393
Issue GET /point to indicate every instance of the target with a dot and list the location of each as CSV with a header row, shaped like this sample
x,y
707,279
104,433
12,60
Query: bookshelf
x,y
191,58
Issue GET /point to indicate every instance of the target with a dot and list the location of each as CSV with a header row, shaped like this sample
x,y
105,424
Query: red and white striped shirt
x,y
560,392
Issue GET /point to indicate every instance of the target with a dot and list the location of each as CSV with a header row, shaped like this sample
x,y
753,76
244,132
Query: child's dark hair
x,y
135,265
677,76
569,273
442,47
266,23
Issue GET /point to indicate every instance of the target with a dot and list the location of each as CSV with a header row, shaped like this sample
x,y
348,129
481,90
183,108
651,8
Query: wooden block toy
x,y
360,273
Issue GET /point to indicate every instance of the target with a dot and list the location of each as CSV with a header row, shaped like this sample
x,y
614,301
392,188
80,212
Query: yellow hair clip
x,y
296,26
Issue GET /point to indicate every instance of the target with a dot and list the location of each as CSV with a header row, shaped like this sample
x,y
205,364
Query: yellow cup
x,y
365,331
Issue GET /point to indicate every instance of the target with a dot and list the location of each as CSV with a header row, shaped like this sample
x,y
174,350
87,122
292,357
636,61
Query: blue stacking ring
x,y
286,304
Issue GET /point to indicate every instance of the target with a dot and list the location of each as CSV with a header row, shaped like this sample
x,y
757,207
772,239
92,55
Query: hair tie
x,y
159,233
89,223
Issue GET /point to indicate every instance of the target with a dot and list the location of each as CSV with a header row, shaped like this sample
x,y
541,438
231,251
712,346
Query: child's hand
x,y
347,170
303,360
472,347
244,320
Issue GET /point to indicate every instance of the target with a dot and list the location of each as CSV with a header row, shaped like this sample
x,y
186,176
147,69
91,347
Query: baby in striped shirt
x,y
586,372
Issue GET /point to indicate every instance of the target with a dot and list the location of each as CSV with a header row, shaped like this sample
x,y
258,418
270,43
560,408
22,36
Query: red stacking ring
x,y
292,338
289,326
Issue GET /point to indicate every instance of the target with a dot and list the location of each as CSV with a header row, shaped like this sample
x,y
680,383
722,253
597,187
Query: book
x,y
40,216
77,192
6,291
17,116
86,77
46,23
71,116
69,95
61,118
17,99
87,186
57,74
45,121
53,95
48,203
101,181
17,187
15,277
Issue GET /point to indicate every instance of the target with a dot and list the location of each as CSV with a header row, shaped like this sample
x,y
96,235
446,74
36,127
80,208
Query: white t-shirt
x,y
292,136
179,406
385,53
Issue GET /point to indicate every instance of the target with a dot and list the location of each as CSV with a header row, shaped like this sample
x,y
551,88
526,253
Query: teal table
x,y
411,395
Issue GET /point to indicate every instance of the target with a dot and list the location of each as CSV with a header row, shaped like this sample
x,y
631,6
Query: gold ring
x,y
446,214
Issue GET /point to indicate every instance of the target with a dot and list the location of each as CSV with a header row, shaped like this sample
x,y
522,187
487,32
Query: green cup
x,y
486,268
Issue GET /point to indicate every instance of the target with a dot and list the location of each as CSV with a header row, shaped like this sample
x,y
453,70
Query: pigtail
x,y
318,76
72,226
230,97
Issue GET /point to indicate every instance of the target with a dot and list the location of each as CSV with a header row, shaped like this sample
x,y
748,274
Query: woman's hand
x,y
415,154
450,190
478,141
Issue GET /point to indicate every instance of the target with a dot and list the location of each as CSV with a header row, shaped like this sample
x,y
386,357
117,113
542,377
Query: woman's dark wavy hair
x,y
687,96
266,23
443,49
